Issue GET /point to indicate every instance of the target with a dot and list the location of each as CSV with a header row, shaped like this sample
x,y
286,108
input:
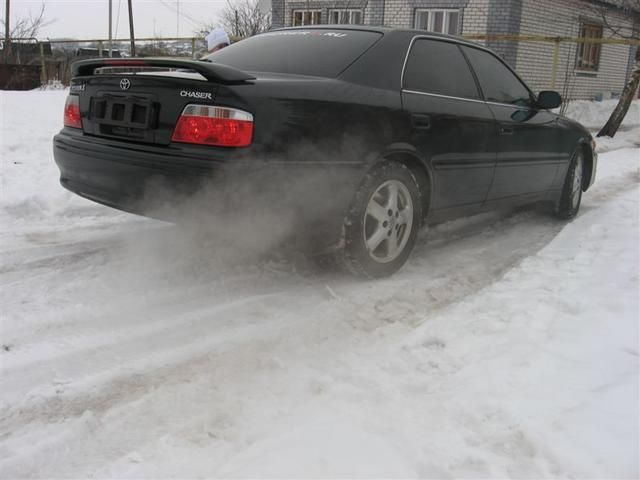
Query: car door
x,y
451,126
529,150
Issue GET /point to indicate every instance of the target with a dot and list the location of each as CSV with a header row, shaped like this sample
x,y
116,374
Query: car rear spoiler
x,y
214,72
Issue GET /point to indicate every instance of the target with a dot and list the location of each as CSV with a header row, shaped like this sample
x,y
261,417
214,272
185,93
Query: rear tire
x,y
382,223
571,195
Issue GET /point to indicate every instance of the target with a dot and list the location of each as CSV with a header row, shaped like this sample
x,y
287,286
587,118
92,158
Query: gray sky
x,y
84,19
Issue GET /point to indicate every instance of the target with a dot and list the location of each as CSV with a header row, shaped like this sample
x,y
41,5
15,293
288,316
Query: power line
x,y
118,17
182,14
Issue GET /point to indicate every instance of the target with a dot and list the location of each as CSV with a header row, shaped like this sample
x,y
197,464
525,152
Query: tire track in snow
x,y
443,287
101,392
168,329
195,324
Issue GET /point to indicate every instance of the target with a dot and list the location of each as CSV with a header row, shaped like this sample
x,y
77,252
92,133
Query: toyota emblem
x,y
125,83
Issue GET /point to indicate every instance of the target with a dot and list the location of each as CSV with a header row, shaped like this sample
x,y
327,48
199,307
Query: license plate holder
x,y
123,111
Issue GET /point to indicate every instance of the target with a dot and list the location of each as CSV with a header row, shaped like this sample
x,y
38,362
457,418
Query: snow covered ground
x,y
594,115
507,348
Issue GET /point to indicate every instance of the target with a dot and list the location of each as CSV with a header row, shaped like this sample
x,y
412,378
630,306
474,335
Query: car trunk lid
x,y
141,99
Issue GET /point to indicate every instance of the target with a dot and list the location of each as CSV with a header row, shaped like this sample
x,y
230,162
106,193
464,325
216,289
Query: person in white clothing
x,y
217,39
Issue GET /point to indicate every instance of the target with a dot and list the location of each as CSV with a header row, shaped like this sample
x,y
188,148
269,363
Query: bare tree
x,y
617,116
632,9
241,18
28,27
25,28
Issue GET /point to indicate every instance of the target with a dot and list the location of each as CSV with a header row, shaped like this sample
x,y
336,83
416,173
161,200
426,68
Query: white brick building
x,y
582,72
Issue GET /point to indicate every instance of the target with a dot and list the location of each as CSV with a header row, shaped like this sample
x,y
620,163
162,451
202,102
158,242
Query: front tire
x,y
571,195
382,224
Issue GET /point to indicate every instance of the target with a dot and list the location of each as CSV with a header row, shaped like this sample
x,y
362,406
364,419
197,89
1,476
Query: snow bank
x,y
625,138
594,115
29,182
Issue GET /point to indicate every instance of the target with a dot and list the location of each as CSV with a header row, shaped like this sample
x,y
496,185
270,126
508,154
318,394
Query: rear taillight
x,y
219,126
72,112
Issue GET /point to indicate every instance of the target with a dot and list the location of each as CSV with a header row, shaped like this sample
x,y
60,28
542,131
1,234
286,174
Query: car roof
x,y
384,30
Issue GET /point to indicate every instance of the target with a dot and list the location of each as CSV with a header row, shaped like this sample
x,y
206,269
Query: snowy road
x,y
508,346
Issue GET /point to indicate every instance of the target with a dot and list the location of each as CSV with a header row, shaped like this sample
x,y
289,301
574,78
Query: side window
x,y
498,83
439,67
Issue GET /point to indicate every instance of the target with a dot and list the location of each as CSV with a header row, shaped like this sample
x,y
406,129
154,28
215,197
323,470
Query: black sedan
x,y
360,134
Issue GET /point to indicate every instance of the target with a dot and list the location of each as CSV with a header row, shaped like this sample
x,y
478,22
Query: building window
x,y
346,16
440,21
306,17
588,52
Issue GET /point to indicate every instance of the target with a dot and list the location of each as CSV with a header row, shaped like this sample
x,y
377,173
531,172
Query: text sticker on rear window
x,y
310,33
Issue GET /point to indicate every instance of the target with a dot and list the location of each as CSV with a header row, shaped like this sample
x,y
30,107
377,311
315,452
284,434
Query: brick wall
x,y
554,18
374,12
277,13
476,17
504,18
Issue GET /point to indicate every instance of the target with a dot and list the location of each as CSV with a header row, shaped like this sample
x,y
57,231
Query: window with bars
x,y
306,17
588,56
345,17
439,21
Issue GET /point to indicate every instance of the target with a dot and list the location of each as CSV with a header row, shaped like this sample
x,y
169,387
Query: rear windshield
x,y
324,53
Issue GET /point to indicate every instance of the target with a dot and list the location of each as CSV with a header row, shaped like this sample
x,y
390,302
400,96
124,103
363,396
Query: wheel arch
x,y
587,173
410,158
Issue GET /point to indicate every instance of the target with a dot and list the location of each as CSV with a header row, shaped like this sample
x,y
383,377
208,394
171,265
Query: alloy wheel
x,y
577,182
388,221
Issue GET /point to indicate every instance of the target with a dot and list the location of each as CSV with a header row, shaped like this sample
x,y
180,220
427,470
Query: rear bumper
x,y
121,175
164,182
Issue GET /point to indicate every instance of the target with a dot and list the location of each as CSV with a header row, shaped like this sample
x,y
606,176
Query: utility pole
x,y
7,33
237,34
131,34
110,28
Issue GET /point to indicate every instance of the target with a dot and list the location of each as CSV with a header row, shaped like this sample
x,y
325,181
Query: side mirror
x,y
549,100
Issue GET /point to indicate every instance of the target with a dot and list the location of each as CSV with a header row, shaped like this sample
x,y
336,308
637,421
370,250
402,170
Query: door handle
x,y
506,130
422,122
